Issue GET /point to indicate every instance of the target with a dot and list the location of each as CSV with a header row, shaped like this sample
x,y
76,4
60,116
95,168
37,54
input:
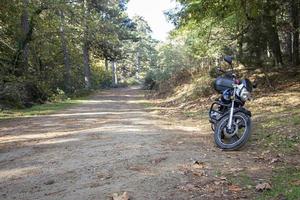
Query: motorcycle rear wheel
x,y
239,138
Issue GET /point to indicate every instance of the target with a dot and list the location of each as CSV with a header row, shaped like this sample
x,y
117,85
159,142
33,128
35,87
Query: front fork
x,y
229,125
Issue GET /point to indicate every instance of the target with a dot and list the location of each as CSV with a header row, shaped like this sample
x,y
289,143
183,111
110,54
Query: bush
x,y
59,95
21,94
101,78
150,80
133,81
203,87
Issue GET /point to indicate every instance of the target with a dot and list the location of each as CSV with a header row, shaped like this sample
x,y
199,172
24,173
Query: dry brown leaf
x,y
219,182
199,173
274,160
265,152
263,186
49,182
234,188
296,182
124,196
280,197
138,168
198,165
158,160
187,187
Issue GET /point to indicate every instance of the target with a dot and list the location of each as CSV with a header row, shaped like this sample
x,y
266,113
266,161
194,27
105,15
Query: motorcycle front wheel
x,y
236,137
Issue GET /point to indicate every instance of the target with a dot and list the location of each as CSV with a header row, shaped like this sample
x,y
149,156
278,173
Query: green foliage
x,y
47,45
101,78
58,96
257,32
140,54
132,81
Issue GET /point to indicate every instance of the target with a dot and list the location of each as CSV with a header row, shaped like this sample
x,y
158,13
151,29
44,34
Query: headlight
x,y
245,95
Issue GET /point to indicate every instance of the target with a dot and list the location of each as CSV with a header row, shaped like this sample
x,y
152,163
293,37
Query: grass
x,y
285,183
242,179
38,109
296,120
278,131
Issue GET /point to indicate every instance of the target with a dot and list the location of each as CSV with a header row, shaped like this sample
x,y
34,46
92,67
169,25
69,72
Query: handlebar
x,y
230,73
220,70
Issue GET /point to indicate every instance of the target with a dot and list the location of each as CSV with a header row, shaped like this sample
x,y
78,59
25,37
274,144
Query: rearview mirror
x,y
228,59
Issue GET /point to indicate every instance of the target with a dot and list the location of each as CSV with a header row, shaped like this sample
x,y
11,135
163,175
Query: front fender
x,y
243,110
236,110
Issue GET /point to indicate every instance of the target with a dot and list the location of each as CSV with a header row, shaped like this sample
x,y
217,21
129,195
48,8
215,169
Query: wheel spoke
x,y
234,138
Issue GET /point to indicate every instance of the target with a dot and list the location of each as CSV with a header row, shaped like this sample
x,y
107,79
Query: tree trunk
x,y
114,73
67,72
138,64
106,64
27,27
290,46
275,44
240,41
85,49
25,31
272,31
86,65
295,21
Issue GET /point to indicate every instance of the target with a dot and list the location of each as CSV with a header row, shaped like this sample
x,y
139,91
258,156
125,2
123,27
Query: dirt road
x,y
111,144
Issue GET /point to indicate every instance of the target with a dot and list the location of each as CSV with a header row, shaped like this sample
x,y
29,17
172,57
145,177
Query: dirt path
x,y
111,144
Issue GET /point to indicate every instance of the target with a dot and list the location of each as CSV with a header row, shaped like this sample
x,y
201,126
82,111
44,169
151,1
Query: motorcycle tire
x,y
240,141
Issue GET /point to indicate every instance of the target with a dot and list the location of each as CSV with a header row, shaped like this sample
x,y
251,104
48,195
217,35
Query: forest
x,y
93,106
70,47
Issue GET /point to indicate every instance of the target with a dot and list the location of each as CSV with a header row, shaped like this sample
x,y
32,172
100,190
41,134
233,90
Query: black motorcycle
x,y
230,121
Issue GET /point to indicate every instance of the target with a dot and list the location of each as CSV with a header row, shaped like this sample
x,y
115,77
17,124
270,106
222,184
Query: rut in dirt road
x,y
109,144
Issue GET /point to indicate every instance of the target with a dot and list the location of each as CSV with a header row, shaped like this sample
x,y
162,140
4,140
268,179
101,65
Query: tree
x,y
295,6
67,72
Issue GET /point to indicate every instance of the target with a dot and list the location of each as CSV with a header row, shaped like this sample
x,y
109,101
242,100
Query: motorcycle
x,y
230,121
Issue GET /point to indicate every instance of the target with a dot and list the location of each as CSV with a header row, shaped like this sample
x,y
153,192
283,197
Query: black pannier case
x,y
223,83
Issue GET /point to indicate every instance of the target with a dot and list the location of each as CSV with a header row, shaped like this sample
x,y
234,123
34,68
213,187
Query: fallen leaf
x,y
199,173
54,193
259,158
265,152
280,197
223,178
198,165
296,182
274,160
158,160
263,186
234,188
232,170
103,176
187,187
49,182
138,168
219,182
124,196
